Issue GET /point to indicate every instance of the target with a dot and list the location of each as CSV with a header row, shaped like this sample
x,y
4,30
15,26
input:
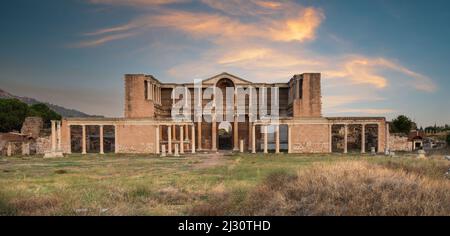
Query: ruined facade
x,y
147,126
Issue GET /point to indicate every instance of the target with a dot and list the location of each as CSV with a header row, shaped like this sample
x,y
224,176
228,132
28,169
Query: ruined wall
x,y
136,106
382,137
399,143
43,145
32,126
136,139
310,138
309,103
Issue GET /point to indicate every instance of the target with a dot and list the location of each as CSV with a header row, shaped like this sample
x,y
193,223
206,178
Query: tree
x,y
402,124
12,114
42,110
448,139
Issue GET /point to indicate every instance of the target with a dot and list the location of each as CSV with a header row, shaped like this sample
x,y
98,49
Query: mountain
x,y
65,112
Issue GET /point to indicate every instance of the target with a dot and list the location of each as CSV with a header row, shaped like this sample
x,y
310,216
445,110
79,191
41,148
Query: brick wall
x,y
136,106
136,139
310,138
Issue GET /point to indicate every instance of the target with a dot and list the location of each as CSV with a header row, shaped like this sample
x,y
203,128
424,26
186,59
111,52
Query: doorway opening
x,y
225,136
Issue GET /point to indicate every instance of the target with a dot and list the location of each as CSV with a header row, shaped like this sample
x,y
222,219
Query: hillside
x,y
65,112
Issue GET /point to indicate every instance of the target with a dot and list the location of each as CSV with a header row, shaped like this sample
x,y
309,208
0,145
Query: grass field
x,y
224,185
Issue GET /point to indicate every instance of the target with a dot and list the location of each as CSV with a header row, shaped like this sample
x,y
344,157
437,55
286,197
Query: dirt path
x,y
210,160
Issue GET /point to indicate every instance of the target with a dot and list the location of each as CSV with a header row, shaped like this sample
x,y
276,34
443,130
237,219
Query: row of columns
x,y
171,130
56,135
101,139
363,137
265,138
154,92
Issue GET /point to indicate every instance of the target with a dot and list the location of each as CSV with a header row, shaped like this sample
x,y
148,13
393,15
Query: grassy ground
x,y
150,185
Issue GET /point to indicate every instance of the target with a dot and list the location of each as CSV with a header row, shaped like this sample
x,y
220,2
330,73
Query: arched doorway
x,y
225,113
225,136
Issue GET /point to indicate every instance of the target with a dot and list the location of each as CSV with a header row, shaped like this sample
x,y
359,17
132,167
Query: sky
x,y
377,57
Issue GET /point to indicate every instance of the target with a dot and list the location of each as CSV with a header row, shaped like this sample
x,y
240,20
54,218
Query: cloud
x,y
336,101
369,111
137,3
366,70
296,24
102,40
264,41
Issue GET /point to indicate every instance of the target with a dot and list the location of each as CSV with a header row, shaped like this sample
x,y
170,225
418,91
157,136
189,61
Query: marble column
x,y
345,137
181,140
250,127
157,139
83,139
330,138
69,147
265,139
277,139
289,139
174,132
186,136
235,133
363,138
169,139
214,135
58,128
53,124
253,139
199,135
193,138
116,139
101,140
387,147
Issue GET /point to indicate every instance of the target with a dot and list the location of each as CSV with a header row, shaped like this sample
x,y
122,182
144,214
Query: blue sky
x,y
377,58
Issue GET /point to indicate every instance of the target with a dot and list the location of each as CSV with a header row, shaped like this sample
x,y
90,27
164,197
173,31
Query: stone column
x,y
193,138
9,149
253,139
53,123
345,137
163,150
214,135
277,139
169,140
181,140
116,139
265,139
289,139
157,139
58,128
363,138
174,132
176,151
199,135
387,137
152,94
235,133
250,127
101,140
83,139
25,149
186,135
69,148
330,138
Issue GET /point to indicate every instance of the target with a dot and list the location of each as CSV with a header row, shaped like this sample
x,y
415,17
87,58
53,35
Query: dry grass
x,y
345,188
244,184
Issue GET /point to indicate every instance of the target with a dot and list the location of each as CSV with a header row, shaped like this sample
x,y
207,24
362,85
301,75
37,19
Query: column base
x,y
54,154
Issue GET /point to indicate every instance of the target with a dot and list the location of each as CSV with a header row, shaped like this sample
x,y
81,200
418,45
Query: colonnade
x,y
171,137
154,92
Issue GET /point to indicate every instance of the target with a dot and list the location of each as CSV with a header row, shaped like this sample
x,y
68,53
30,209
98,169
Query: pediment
x,y
236,80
